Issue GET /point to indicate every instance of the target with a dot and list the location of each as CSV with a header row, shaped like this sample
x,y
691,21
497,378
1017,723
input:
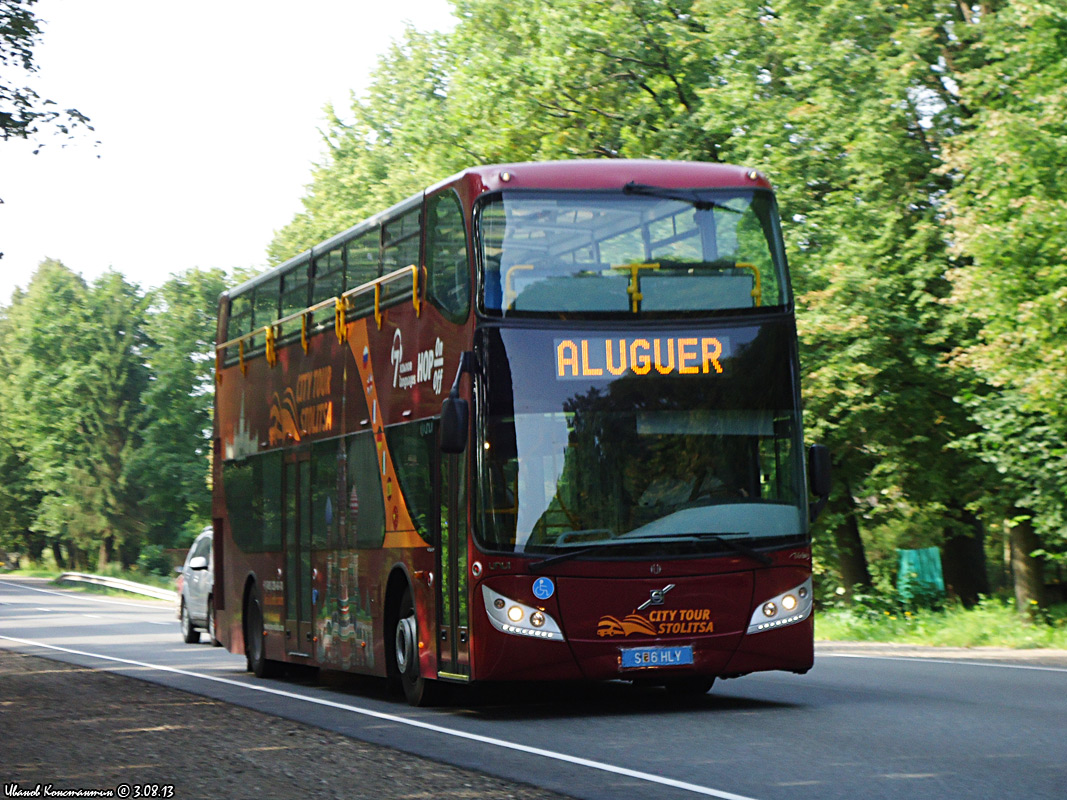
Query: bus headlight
x,y
518,619
787,608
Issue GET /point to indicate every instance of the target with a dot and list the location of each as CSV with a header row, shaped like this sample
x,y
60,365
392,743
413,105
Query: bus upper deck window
x,y
609,252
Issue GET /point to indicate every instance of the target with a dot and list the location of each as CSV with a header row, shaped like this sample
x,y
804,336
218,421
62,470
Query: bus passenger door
x,y
296,525
453,658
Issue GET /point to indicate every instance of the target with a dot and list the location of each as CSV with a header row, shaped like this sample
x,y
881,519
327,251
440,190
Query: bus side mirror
x,y
819,476
455,413
454,420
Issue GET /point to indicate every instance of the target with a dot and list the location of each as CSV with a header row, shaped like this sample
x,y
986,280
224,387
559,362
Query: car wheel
x,y
211,637
190,634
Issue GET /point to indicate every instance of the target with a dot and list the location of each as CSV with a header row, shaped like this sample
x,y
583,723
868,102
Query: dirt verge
x,y
81,730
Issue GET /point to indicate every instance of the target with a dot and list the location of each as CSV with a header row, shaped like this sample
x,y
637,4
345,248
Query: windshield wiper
x,y
669,194
729,544
537,566
736,546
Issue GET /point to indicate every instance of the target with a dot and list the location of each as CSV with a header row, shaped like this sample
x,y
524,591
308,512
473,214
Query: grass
x,y
992,623
32,572
52,574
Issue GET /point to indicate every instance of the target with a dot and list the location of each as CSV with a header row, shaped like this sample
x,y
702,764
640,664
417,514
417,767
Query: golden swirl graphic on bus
x,y
307,410
283,419
662,622
634,623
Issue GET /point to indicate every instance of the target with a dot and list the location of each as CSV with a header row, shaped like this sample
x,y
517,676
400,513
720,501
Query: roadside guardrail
x,y
119,583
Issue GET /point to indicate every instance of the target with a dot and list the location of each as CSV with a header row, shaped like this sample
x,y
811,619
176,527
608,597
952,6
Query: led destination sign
x,y
593,357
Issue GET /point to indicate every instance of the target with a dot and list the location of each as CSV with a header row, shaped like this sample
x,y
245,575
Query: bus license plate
x,y
636,657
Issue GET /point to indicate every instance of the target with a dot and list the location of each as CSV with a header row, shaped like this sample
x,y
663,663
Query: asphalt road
x,y
859,725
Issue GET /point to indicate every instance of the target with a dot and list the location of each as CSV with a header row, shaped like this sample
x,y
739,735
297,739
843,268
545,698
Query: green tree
x,y
1009,220
116,377
41,346
18,497
74,383
172,464
25,114
844,107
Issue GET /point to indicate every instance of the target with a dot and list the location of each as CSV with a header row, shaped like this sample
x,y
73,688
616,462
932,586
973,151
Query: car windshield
x,y
646,253
649,463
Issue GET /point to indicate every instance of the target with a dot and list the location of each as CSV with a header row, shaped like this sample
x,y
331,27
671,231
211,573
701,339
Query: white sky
x,y
208,114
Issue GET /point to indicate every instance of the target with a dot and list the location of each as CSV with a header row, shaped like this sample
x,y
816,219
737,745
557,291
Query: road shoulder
x,y
1038,657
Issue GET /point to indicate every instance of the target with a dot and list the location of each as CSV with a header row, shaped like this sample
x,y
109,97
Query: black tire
x,y
255,648
211,632
404,656
689,687
190,635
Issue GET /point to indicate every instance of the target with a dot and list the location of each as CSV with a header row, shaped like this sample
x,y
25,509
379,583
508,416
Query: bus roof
x,y
607,173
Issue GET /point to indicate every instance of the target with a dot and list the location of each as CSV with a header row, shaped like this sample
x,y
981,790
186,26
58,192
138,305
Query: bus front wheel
x,y
418,690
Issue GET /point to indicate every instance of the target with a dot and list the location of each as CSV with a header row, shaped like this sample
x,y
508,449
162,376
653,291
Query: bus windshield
x,y
644,464
644,252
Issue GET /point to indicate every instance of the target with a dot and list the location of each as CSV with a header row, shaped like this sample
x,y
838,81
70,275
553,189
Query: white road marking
x,y
427,726
84,597
952,662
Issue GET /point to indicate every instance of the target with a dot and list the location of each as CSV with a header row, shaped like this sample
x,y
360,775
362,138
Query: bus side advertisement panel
x,y
299,399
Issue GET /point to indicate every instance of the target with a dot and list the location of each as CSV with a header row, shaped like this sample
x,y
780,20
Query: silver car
x,y
196,579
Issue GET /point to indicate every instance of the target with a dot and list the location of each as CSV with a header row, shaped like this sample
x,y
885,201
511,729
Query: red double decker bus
x,y
540,422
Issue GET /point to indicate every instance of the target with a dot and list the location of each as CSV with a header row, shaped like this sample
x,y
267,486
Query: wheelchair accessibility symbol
x,y
544,588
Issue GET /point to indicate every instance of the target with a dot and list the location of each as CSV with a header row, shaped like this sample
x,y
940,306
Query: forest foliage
x,y
917,149
105,415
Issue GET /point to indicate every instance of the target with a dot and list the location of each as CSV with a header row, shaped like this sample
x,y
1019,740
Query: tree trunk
x,y
127,555
107,547
57,554
964,561
1028,571
35,545
851,555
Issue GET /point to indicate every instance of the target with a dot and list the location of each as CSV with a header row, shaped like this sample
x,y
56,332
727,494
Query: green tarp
x,y
919,576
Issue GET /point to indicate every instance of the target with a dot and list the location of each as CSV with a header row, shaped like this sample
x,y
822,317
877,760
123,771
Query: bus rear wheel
x,y
255,648
418,690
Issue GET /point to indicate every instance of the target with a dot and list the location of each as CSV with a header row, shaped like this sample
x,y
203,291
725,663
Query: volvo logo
x,y
655,597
